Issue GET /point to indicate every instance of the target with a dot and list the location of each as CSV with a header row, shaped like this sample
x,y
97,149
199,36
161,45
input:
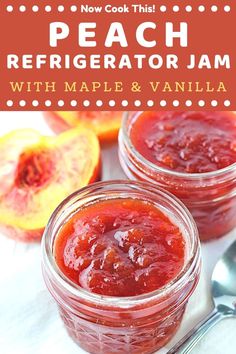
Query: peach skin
x,y
105,124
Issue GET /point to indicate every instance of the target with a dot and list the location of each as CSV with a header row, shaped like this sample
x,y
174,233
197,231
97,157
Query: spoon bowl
x,y
224,280
223,285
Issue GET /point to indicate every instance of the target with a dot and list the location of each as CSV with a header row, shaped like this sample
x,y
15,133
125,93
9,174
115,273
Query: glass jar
x,y
210,197
136,324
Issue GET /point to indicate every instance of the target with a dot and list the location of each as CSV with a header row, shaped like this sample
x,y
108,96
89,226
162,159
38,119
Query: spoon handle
x,y
186,344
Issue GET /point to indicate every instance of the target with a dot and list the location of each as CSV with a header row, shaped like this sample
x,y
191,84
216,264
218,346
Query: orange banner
x,y
118,56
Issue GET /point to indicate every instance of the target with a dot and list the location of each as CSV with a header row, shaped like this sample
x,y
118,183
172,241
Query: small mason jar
x,y
135,324
210,196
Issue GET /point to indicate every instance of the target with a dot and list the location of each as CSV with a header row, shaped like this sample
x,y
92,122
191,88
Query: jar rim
x,y
124,302
140,158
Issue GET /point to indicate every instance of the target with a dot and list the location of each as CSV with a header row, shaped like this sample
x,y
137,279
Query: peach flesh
x,y
37,173
35,168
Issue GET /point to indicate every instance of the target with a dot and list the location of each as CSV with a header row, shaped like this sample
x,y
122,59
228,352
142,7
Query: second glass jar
x,y
210,197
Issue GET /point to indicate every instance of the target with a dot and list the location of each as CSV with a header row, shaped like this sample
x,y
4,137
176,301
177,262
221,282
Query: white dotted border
x,y
113,103
74,8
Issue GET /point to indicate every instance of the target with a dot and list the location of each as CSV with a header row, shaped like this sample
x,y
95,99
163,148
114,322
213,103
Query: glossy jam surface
x,y
190,142
120,247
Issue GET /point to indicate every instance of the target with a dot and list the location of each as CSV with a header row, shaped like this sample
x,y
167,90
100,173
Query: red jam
x,y
190,142
193,156
120,247
137,240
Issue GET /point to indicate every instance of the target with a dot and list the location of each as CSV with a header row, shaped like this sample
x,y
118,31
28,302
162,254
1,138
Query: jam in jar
x,y
121,259
192,155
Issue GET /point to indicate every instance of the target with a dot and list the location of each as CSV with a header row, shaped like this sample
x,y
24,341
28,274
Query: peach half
x,y
105,124
38,172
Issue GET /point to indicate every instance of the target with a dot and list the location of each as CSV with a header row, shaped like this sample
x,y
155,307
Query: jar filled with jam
x,y
121,259
192,155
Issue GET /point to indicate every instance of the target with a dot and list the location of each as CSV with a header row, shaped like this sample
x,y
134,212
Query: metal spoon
x,y
223,285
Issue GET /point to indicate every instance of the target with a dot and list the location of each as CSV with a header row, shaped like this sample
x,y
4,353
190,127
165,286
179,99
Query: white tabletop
x,y
29,323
